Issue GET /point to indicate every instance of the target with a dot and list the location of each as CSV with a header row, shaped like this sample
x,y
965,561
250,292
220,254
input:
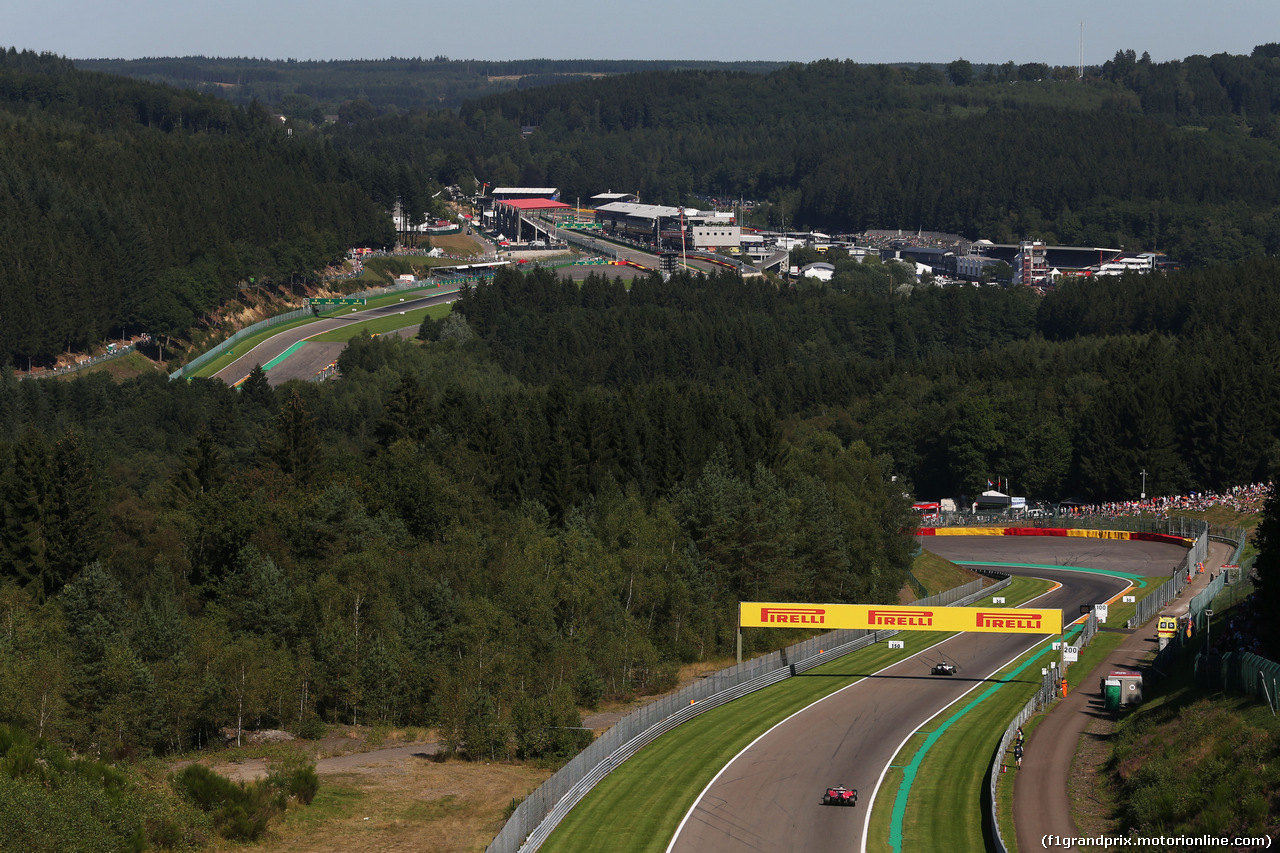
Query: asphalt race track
x,y
314,355
770,797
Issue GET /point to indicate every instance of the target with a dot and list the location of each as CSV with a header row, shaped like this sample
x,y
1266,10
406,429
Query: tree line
x,y
310,89
561,494
129,207
839,145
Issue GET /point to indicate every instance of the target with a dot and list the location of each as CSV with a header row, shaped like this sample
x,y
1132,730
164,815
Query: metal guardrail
x,y
1049,692
297,314
537,816
1045,696
218,349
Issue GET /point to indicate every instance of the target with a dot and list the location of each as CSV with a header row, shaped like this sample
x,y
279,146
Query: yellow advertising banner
x,y
881,617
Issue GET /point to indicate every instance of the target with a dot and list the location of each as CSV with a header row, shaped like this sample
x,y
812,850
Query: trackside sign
x,y
876,617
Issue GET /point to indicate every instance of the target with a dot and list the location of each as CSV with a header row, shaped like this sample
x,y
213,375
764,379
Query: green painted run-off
x,y
282,356
909,771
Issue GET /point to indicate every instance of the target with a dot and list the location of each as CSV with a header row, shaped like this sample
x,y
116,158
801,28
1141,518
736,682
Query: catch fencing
x,y
248,331
538,815
1240,672
1150,606
1050,691
1046,695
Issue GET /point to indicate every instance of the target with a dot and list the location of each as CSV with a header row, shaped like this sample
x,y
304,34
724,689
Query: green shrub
x,y
312,728
50,802
304,784
240,812
295,776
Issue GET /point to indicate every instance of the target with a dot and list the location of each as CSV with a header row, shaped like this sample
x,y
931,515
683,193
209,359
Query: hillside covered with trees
x,y
204,197
1003,152
565,498
128,207
359,88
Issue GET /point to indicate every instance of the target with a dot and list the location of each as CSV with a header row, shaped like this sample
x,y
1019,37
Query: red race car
x,y
839,795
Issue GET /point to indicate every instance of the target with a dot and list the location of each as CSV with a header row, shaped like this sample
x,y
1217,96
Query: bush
x,y
52,803
295,776
312,728
240,812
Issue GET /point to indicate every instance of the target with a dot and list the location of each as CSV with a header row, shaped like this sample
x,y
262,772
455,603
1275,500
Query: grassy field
x,y
637,807
439,807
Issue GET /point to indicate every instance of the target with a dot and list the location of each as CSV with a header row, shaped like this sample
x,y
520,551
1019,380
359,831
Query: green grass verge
x,y
230,352
239,348
381,325
638,806
943,811
938,574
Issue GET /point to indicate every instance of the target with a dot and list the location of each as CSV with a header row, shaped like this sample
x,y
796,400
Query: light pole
x,y
1208,635
1143,496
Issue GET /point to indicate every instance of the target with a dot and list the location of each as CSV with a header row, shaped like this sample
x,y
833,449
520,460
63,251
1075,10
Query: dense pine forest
x,y
559,495
1179,157
308,90
567,504
203,198
128,207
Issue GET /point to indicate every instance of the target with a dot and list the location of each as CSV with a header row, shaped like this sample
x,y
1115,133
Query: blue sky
x,y
802,30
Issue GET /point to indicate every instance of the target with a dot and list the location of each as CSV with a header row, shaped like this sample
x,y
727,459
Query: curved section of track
x,y
276,345
769,797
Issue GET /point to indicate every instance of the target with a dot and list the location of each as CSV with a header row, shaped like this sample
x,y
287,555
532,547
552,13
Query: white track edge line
x,y
729,763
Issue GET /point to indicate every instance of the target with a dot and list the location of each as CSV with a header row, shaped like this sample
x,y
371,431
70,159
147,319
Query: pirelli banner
x,y
882,617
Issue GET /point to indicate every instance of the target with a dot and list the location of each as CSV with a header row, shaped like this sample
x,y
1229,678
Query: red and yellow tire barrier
x,y
1122,535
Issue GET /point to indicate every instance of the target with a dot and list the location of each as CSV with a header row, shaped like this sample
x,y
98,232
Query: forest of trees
x,y
1003,153
129,207
485,534
310,89
203,196
560,494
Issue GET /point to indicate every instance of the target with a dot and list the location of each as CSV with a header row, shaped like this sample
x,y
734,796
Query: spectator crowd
x,y
1239,498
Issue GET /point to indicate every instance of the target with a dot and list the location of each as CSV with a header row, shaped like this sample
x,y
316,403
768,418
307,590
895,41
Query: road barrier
x,y
248,331
539,814
289,316
80,365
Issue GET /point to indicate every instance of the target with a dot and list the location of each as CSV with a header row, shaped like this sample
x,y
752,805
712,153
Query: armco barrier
x,y
1045,696
297,314
206,357
535,818
80,365
1049,692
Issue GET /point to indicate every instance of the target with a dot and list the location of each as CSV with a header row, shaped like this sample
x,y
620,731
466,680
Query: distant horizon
x,y
990,32
389,58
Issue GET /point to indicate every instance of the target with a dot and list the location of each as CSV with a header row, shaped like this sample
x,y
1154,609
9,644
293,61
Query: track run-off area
x,y
749,775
